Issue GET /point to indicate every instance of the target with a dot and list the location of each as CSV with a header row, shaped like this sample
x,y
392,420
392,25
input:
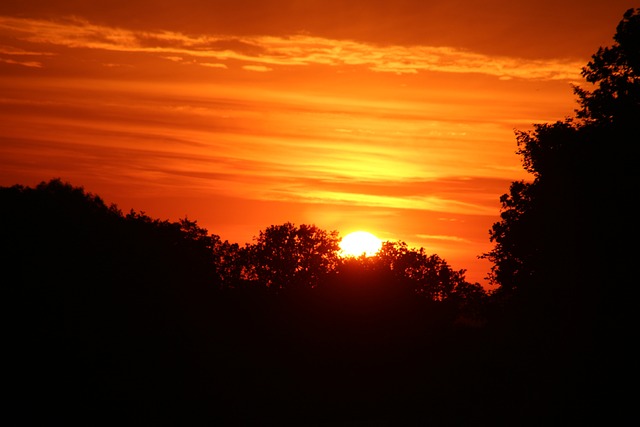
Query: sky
x,y
393,117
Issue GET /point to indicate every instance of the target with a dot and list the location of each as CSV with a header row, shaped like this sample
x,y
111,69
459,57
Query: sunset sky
x,y
394,117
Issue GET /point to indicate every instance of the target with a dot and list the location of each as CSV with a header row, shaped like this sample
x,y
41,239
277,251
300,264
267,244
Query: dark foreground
x,y
112,319
300,361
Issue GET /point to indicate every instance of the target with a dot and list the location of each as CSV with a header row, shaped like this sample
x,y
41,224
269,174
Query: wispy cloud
x,y
30,64
258,68
16,56
213,65
13,51
264,53
429,237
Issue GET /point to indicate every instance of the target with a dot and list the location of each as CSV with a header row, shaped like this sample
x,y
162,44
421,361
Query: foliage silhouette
x,y
428,275
553,231
561,257
615,72
287,256
124,308
98,299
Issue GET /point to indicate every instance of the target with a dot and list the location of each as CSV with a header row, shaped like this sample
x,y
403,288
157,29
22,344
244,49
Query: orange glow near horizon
x,y
399,123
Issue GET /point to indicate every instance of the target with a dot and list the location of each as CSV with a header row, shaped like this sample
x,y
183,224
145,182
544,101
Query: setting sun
x,y
359,243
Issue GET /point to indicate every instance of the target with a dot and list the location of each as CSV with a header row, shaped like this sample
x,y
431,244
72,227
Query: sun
x,y
360,243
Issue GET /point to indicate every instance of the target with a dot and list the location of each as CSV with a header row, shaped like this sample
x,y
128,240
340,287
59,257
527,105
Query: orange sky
x,y
393,117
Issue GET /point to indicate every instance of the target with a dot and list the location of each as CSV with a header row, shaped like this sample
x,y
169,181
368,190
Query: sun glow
x,y
360,243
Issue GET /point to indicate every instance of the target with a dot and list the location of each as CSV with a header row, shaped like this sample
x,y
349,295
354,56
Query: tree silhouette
x,y
427,275
100,301
230,262
561,253
402,278
615,72
127,308
556,231
286,257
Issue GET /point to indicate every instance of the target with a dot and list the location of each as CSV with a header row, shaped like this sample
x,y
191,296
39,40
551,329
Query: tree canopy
x,y
56,221
615,73
286,256
562,235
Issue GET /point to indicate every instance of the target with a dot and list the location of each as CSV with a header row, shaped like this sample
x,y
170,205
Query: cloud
x,y
15,56
441,237
258,68
230,141
30,64
434,204
9,50
213,65
264,53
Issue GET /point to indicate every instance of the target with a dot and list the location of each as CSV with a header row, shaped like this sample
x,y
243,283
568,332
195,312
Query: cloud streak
x,y
232,146
264,53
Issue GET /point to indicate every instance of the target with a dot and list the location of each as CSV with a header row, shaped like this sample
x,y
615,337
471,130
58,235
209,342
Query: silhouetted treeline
x,y
107,306
98,299
58,233
109,310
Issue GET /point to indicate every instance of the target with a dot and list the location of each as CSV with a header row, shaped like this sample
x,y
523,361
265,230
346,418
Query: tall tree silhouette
x,y
561,236
562,255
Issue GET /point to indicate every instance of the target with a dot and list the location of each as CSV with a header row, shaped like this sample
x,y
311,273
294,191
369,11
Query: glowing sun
x,y
359,243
